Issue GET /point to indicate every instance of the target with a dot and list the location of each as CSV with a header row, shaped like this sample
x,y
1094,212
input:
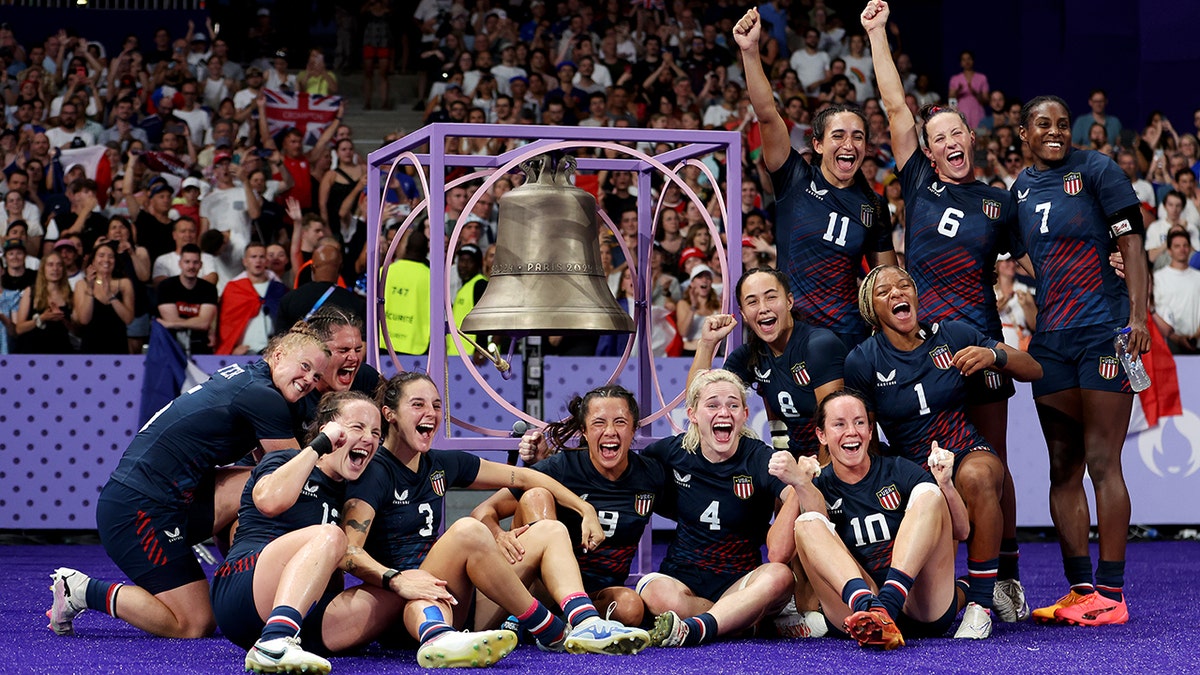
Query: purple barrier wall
x,y
67,419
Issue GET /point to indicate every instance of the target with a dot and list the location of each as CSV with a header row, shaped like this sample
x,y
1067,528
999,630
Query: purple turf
x,y
1162,577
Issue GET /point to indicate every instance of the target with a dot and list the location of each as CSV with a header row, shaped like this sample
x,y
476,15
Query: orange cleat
x,y
1050,614
874,628
1094,610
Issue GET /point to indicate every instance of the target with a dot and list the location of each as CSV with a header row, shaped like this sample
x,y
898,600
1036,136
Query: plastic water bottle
x,y
1139,380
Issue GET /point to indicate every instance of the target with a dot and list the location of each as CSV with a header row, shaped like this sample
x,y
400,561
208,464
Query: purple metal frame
x,y
433,166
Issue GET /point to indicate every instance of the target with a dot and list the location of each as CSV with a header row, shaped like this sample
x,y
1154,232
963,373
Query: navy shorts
x,y
989,386
703,583
152,542
1080,358
911,628
237,616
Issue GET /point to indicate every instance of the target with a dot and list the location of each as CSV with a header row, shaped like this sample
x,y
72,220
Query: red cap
x,y
222,156
691,252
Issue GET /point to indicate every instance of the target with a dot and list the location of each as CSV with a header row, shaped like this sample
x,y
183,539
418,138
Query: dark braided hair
x,y
1027,109
325,321
560,434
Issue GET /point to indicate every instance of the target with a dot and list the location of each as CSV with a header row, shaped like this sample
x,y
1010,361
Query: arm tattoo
x,y
512,477
361,527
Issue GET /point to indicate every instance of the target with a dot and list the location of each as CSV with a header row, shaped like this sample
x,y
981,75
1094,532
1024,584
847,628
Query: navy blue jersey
x,y
953,235
918,397
623,506
319,503
822,233
787,383
304,411
408,505
1062,214
213,424
723,511
867,514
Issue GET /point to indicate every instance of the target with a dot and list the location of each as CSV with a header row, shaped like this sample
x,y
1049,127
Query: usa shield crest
x,y
991,209
942,358
437,480
743,487
867,215
992,379
643,502
800,375
1109,367
889,497
1073,183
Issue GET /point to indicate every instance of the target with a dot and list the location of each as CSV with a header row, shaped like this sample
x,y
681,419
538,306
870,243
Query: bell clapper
x,y
492,353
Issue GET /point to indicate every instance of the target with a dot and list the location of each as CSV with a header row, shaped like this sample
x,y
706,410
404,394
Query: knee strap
x,y
921,489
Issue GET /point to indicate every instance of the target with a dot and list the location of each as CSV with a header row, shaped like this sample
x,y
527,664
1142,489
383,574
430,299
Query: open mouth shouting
x,y
722,432
610,452
902,310
358,458
845,162
957,159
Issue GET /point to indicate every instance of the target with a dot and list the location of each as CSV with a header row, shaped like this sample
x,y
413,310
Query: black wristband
x,y
1001,357
388,576
321,445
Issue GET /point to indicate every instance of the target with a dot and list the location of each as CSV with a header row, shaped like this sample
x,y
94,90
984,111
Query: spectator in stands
x,y
18,210
249,306
124,129
133,262
811,64
316,79
278,77
184,232
187,304
16,277
1082,128
89,222
1142,188
971,90
224,210
1172,218
307,297
70,130
43,323
103,304
279,264
153,218
1177,295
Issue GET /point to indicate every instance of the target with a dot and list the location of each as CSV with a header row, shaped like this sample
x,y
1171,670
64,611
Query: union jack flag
x,y
743,487
1108,367
800,375
889,497
643,502
308,113
942,358
991,209
1073,183
437,480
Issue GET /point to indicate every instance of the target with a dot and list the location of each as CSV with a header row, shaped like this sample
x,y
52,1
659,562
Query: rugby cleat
x,y
468,649
1094,610
603,636
874,628
1050,614
284,655
1008,601
976,623
669,630
70,588
793,624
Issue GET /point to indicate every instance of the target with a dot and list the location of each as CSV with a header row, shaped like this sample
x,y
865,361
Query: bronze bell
x,y
547,278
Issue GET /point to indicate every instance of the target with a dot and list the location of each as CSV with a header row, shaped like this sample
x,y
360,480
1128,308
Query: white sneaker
x,y
70,599
603,636
467,649
806,625
976,623
669,630
284,655
1008,601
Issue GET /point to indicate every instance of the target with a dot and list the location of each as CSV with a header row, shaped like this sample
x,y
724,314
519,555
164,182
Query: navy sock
x,y
982,580
434,624
1079,574
1110,579
102,596
1010,555
858,596
544,626
578,608
894,591
284,622
700,628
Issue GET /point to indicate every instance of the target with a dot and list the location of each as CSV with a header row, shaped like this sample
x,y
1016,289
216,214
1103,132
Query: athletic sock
x,y
434,624
578,608
1010,556
894,591
1110,579
700,628
546,628
1079,574
982,580
858,596
284,622
102,596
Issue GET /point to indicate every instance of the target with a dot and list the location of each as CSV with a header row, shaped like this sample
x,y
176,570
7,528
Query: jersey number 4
x,y
712,515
